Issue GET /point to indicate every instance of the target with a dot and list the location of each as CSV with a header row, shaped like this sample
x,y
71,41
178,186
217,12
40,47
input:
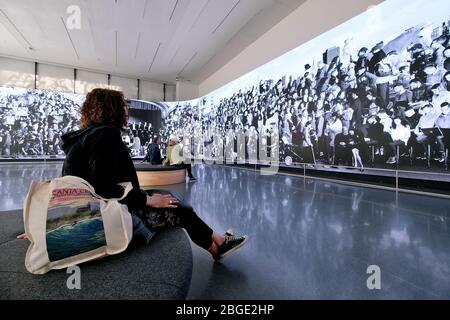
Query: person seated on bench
x,y
427,121
342,149
401,133
358,146
174,157
154,152
97,154
443,122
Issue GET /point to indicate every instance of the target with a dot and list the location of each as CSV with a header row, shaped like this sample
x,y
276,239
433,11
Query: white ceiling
x,y
148,39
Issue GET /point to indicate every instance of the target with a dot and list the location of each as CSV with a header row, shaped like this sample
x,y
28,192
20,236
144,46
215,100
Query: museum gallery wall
x,y
373,91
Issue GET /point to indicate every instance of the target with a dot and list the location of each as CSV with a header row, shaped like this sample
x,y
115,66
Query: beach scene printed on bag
x,y
74,223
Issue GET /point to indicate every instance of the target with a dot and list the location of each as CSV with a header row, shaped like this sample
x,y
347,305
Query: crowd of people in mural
x,y
377,105
32,121
184,120
138,137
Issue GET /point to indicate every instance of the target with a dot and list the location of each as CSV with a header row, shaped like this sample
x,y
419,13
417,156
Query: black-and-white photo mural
x,y
32,121
374,91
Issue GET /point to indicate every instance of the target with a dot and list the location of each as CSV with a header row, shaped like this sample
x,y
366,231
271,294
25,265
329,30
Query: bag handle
x,y
126,185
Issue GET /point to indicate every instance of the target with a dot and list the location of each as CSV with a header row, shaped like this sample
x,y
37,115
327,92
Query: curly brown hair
x,y
103,106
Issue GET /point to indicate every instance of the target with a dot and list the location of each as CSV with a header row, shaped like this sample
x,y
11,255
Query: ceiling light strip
x,y
137,45
188,63
116,49
70,38
145,9
220,24
176,52
15,31
154,57
174,8
199,15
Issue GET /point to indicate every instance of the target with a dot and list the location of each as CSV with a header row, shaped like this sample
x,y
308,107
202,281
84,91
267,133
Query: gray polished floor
x,y
15,180
312,239
309,239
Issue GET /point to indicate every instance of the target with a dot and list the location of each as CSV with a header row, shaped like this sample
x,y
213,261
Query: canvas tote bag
x,y
67,224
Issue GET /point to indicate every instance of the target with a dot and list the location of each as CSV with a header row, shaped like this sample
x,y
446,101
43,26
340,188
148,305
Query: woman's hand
x,y
22,236
159,201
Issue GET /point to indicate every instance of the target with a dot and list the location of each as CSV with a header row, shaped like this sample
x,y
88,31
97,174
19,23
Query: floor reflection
x,y
15,179
315,239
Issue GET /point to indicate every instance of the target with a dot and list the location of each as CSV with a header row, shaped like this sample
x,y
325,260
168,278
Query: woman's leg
x,y
218,240
199,232
357,158
188,169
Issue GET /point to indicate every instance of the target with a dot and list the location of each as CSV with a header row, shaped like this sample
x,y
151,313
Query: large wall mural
x,y
33,121
371,92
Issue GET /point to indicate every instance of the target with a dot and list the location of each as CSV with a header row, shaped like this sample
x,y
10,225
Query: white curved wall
x,y
21,74
16,73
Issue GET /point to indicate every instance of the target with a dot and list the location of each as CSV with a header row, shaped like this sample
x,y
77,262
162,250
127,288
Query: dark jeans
x,y
147,222
188,168
386,141
343,155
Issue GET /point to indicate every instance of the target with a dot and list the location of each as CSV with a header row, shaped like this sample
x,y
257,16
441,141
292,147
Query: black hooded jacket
x,y
99,156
